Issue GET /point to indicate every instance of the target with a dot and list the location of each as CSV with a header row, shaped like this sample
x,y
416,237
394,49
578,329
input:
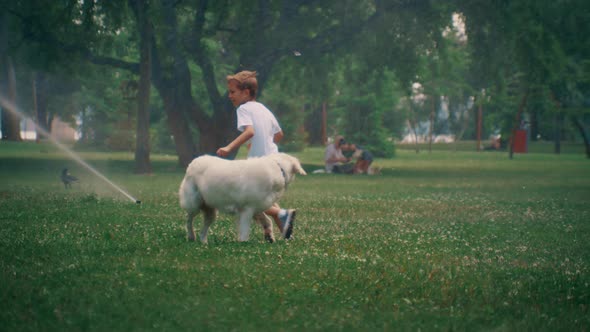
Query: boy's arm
x,y
236,143
278,137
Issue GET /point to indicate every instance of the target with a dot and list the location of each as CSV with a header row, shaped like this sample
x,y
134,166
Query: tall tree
x,y
247,35
40,96
196,44
142,145
10,121
35,31
525,47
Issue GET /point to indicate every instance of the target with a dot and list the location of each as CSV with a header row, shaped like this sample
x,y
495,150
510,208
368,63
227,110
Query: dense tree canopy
x,y
359,60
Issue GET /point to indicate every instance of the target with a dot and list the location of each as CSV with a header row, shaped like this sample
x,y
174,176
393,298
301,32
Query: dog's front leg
x,y
244,224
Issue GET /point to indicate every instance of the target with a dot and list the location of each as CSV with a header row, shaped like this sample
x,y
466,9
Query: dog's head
x,y
289,164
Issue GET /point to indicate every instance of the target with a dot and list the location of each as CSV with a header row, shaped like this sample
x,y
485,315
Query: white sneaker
x,y
288,220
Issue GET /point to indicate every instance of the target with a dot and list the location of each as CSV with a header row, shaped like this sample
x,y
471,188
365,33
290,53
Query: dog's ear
x,y
297,169
290,164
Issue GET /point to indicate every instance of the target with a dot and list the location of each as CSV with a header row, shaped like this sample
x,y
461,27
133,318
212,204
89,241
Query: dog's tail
x,y
190,197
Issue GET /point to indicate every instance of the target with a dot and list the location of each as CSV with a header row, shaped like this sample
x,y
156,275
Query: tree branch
x,y
202,59
102,60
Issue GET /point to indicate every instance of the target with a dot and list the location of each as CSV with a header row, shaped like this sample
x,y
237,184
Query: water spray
x,y
6,105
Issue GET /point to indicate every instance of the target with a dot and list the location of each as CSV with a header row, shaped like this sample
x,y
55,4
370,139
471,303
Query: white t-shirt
x,y
332,153
265,127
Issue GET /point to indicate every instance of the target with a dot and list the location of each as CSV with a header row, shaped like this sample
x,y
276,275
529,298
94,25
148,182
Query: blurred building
x,y
62,131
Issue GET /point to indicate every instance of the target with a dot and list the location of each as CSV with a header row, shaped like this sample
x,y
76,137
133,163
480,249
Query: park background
x,y
450,236
150,75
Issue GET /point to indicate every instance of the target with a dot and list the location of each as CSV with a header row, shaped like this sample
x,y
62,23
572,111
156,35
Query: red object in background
x,y
520,141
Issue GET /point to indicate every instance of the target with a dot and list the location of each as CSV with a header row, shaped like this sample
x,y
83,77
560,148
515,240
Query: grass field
x,y
440,241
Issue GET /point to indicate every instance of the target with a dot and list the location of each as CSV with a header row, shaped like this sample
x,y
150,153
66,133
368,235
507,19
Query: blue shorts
x,y
366,155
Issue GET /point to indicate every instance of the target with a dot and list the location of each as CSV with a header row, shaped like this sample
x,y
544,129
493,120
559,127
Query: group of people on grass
x,y
337,162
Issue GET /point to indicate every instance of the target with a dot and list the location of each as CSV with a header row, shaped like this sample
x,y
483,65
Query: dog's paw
x,y
191,237
203,239
269,238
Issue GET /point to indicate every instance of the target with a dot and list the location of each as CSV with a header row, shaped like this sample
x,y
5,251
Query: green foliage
x,y
285,95
308,53
161,138
291,121
362,108
527,47
440,241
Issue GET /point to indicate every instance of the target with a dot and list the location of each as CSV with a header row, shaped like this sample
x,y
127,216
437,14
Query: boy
x,y
259,126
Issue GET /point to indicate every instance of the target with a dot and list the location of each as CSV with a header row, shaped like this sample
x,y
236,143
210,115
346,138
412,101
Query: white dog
x,y
244,187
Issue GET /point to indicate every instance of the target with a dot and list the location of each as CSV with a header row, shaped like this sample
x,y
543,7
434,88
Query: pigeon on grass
x,y
67,178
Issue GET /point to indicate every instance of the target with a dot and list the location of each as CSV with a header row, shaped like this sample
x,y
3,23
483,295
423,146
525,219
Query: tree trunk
x,y
173,83
464,125
142,144
413,130
580,125
83,129
175,108
216,136
559,117
10,121
479,126
219,129
10,118
41,100
324,124
431,127
34,95
517,123
314,123
534,126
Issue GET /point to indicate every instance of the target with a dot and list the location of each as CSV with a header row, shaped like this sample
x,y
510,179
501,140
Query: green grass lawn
x,y
439,241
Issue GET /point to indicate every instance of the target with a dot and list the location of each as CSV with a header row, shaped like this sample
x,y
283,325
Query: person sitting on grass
x,y
364,158
334,160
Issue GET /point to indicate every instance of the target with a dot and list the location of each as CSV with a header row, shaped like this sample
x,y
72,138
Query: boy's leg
x,y
274,213
284,219
358,166
363,166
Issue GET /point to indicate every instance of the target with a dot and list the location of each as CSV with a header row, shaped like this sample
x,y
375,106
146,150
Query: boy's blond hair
x,y
246,80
